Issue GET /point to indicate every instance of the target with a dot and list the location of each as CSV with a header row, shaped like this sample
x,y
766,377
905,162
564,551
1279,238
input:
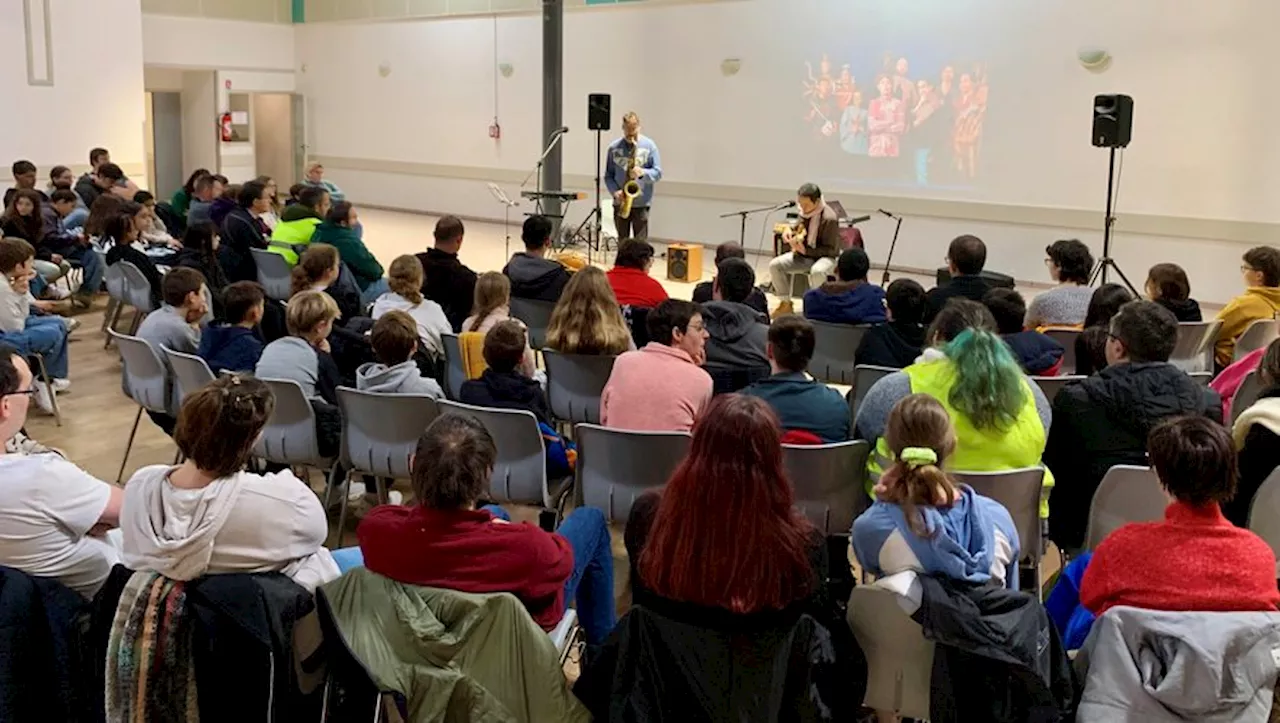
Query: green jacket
x,y
454,656
297,225
352,251
180,202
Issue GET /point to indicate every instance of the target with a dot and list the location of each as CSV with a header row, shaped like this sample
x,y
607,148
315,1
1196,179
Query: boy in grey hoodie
x,y
395,341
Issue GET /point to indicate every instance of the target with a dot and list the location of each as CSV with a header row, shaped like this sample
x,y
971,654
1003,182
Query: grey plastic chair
x,y
145,380
35,360
865,376
1193,351
1264,513
1067,338
834,349
829,482
520,472
1126,494
1202,378
616,466
575,383
273,274
454,371
1019,491
1246,395
1257,335
1052,385
127,286
190,373
290,435
899,658
536,315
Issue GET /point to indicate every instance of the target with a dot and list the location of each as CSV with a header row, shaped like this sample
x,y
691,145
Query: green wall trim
x,y
299,11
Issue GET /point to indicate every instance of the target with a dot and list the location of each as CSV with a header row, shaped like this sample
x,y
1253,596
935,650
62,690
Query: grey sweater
x,y
294,359
1060,306
167,327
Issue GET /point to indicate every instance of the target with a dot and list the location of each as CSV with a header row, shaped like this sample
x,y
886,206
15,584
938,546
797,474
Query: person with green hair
x,y
1001,418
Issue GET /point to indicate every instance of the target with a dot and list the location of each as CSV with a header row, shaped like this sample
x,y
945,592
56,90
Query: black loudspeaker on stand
x,y
1112,129
599,106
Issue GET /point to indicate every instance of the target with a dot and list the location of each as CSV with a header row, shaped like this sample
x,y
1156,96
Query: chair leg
x,y
53,395
342,514
380,483
106,315
137,322
136,420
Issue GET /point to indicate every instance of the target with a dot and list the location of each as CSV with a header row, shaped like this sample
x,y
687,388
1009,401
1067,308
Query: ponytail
x,y
312,265
989,385
920,435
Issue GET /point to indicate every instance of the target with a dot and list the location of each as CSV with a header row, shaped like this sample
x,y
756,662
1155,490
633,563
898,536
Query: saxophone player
x,y
631,168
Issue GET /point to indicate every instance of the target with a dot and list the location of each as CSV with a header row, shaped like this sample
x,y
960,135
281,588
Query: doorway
x,y
165,117
274,144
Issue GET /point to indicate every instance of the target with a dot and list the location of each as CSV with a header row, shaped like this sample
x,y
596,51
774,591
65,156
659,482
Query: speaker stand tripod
x,y
1106,263
594,220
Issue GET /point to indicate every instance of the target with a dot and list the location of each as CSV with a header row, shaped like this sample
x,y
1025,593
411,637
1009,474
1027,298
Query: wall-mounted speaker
x,y
598,111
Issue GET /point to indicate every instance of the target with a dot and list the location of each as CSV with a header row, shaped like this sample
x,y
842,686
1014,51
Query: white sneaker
x,y
56,292
61,385
70,323
43,399
356,492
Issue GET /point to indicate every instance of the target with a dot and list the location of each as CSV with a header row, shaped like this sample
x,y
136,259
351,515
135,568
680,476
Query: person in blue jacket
x,y
1039,354
233,344
801,403
850,299
618,171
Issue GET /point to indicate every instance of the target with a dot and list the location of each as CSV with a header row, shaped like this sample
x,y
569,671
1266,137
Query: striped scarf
x,y
150,670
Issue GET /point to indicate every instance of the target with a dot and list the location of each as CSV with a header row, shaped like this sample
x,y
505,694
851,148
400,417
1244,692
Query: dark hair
x,y
312,196
142,198
1266,260
199,237
633,253
906,301
9,377
117,227
1104,304
218,177
57,171
190,185
668,316
21,167
312,265
32,225
1148,331
791,338
219,423
13,252
296,189
956,316
729,250
452,463
339,213
448,229
968,254
1170,282
990,388
179,283
735,279
1269,365
853,265
204,183
111,172
240,298
97,153
504,346
536,231
1008,309
810,191
1073,259
251,191
1194,458
394,338
64,195
106,207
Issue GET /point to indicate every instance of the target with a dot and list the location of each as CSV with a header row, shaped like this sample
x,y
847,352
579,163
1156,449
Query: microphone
x,y
886,213
858,220
788,204
561,130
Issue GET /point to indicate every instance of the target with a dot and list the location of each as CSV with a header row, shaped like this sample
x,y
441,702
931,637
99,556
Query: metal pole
x,y
552,98
1106,230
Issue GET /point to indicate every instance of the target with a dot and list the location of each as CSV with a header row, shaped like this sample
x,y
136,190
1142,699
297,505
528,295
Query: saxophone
x,y
632,187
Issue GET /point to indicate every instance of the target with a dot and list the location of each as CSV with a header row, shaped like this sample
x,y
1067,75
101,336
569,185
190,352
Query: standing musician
x,y
631,168
815,244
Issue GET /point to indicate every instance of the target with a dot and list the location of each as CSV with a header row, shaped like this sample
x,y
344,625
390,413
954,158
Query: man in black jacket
x,y
1104,420
444,279
965,258
532,274
704,291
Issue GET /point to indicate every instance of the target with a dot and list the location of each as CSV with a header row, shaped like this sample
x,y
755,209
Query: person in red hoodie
x,y
1195,559
444,541
630,277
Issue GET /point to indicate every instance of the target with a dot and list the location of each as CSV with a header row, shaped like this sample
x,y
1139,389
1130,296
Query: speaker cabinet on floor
x,y
684,262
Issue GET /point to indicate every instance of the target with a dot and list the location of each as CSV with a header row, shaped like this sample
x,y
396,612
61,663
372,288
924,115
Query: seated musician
x,y
815,244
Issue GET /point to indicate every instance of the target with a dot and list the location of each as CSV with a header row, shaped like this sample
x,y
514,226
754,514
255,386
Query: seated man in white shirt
x,y
53,515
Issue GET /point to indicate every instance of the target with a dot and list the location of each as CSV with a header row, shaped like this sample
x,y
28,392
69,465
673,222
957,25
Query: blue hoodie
x,y
845,302
968,540
1036,352
228,347
618,160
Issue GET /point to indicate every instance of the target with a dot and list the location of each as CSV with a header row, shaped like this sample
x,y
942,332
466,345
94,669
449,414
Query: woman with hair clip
x,y
922,520
491,307
587,318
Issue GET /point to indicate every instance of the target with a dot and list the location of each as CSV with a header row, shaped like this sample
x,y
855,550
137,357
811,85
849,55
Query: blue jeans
x,y
45,335
348,558
38,286
376,289
94,269
76,219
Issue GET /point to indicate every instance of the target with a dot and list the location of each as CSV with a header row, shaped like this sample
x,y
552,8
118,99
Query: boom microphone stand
x,y
742,233
1106,262
884,280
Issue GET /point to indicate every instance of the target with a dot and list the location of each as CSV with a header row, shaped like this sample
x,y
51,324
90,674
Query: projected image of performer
x,y
853,127
903,88
886,121
845,85
819,93
632,166
968,125
929,128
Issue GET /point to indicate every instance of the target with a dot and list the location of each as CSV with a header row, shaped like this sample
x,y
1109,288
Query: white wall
x,y
183,42
97,98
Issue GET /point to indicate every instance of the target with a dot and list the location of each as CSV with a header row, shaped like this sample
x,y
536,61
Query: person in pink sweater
x,y
662,387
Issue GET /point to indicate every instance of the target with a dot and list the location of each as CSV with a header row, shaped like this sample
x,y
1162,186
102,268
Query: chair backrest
x,y
637,318
137,290
1246,394
1067,338
829,482
1202,378
520,472
190,372
1193,351
865,376
616,466
1126,494
455,369
1019,490
1264,513
1052,385
899,658
834,349
115,282
273,274
1257,335
380,431
575,383
146,378
536,315
290,434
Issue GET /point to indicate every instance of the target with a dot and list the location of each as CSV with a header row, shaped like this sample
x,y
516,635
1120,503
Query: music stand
x,y
507,204
839,209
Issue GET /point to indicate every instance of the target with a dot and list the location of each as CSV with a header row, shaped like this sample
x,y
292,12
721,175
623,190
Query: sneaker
x,y
784,307
61,385
70,323
42,396
57,293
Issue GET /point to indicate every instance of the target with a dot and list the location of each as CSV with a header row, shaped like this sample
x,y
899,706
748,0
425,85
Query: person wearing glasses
x,y
54,516
1070,263
1260,300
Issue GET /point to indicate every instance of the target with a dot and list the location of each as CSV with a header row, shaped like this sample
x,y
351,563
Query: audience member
x,y
1228,381
850,299
966,257
703,292
491,307
339,231
922,520
54,515
175,325
200,246
319,269
897,342
1261,300
1194,559
815,253
1256,433
224,204
23,218
315,179
405,294
1167,285
181,201
1038,354
161,249
736,333
208,515
395,341
305,357
445,280
801,403
102,178
24,179
272,216
232,344
1105,419
61,239
151,229
298,223
1070,264
587,318
661,387
207,188
436,541
532,274
1091,345
121,186
629,278
26,333
244,230
61,179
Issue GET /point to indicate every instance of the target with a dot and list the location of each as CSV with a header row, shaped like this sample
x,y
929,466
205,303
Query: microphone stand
x,y
507,204
742,233
537,170
884,281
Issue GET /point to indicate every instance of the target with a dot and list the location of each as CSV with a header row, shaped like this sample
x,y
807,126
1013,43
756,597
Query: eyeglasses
x,y
1246,268
17,392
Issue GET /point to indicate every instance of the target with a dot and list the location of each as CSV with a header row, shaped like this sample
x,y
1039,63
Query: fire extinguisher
x,y
224,125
